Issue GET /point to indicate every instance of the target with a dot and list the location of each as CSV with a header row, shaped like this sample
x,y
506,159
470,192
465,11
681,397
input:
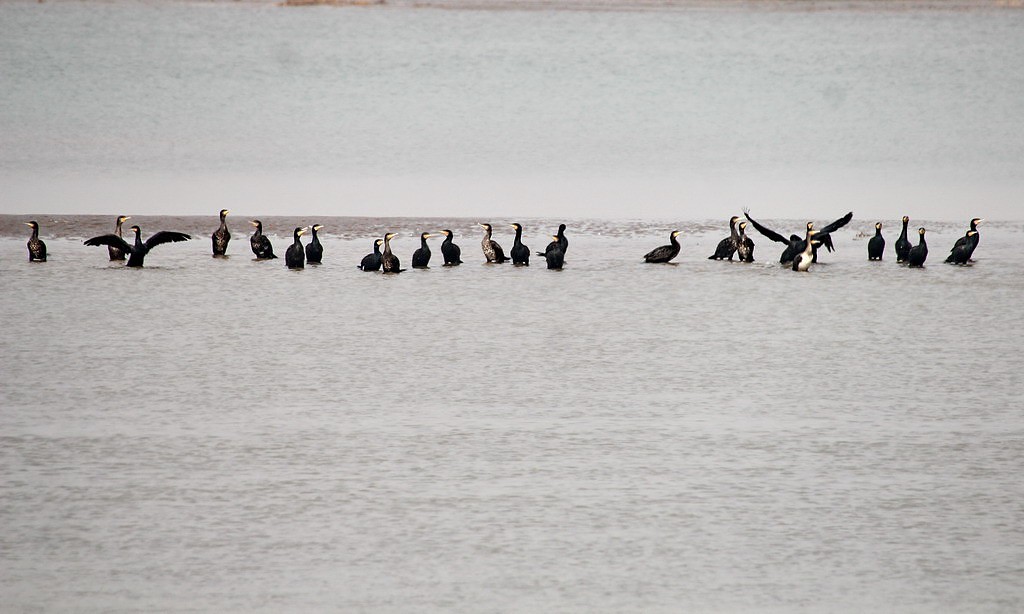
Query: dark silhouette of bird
x,y
903,245
919,253
555,257
961,252
876,244
744,245
421,257
314,251
36,247
492,251
260,243
560,239
452,253
795,244
728,246
371,261
138,250
389,262
295,255
520,253
665,252
221,236
968,241
116,254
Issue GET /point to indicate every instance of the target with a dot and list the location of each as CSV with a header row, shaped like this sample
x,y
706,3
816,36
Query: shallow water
x,y
227,435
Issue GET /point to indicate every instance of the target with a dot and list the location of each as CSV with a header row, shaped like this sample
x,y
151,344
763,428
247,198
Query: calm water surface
x,y
227,435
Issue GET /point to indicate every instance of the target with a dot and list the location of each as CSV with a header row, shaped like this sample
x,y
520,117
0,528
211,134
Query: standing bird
x,y
521,253
221,236
492,251
961,252
728,246
560,239
795,245
555,256
665,252
919,253
452,253
421,257
371,262
260,243
876,244
969,241
115,253
744,245
314,251
389,262
137,252
295,255
903,243
802,261
36,247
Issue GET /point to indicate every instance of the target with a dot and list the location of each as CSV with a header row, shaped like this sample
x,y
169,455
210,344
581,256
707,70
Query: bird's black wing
x,y
826,240
166,236
836,225
768,232
111,240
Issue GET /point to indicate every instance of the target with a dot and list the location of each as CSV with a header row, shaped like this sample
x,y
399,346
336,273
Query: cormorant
x,y
919,253
960,254
314,251
728,246
521,253
137,252
560,240
114,252
970,241
795,245
665,252
903,243
555,256
802,261
389,262
295,255
371,262
36,247
222,235
421,257
492,251
260,243
876,244
744,244
452,253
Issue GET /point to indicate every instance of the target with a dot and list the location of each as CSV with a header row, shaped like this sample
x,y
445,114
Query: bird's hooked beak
x,y
29,224
302,231
254,223
428,235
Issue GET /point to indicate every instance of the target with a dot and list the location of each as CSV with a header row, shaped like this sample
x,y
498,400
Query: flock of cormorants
x,y
799,253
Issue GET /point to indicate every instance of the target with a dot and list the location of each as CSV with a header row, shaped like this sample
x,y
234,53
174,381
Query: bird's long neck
x,y
487,234
921,240
295,238
447,240
376,248
138,239
904,233
387,247
974,225
732,229
259,230
423,243
519,235
35,232
878,231
672,238
117,228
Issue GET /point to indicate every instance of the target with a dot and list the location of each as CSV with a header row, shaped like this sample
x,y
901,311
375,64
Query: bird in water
x,y
919,253
968,241
116,254
960,254
554,256
560,239
492,251
36,247
452,253
260,243
665,252
903,243
389,262
521,253
794,244
295,255
421,257
314,251
802,261
137,251
221,236
876,244
371,262
728,246
744,244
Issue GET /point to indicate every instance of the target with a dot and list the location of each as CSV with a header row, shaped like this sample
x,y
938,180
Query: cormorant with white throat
x,y
665,252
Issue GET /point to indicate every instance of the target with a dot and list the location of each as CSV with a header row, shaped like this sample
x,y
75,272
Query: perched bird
x,y
137,251
555,257
744,245
802,261
371,262
560,239
114,252
314,251
36,247
728,246
876,244
295,255
961,252
492,251
452,253
919,253
221,236
389,262
968,240
260,243
421,257
903,243
794,244
665,252
521,253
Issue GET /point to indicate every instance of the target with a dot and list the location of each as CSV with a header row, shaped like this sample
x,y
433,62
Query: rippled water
x,y
228,435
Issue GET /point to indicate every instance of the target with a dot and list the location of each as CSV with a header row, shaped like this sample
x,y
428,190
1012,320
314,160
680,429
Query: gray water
x,y
228,435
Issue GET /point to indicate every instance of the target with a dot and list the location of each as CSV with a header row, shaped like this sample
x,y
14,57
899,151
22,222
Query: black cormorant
x,y
492,251
521,253
295,255
560,239
554,256
452,253
919,253
314,251
371,262
137,252
389,262
221,236
260,243
876,244
802,261
665,252
36,247
117,254
794,244
960,254
421,257
903,243
728,246
968,240
744,244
